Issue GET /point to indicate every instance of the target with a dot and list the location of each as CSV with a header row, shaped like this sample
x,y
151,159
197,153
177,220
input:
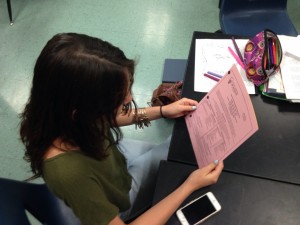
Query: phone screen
x,y
198,210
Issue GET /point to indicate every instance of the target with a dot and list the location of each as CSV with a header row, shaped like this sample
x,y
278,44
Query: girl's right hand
x,y
205,176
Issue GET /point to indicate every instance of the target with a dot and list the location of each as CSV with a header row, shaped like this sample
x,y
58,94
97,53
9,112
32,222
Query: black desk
x,y
245,200
273,152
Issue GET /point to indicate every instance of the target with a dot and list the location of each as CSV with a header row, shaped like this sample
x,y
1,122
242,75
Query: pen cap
x,y
262,56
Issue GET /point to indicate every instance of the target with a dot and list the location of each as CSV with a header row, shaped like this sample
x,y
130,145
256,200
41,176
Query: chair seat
x,y
238,23
37,199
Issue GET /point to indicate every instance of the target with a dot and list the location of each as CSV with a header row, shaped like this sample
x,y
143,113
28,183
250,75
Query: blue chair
x,y
17,196
249,17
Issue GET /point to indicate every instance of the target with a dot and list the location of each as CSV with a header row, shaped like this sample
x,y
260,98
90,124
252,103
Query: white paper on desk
x,y
213,55
290,44
223,120
275,83
290,70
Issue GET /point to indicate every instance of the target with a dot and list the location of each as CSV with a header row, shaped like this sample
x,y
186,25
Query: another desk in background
x,y
260,183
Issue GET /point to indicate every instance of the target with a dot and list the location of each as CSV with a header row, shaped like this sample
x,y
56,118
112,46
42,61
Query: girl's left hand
x,y
179,108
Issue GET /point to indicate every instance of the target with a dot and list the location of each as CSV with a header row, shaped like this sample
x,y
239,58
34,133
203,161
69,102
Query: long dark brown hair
x,y
78,84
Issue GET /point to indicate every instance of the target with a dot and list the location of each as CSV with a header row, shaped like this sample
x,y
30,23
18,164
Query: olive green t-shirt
x,y
96,190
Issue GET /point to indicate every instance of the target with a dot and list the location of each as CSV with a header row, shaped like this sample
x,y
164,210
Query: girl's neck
x,y
58,147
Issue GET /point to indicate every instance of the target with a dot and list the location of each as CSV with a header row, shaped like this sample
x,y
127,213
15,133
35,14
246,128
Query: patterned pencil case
x,y
262,56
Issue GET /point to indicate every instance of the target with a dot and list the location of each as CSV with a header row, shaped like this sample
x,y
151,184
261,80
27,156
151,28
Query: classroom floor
x,y
147,30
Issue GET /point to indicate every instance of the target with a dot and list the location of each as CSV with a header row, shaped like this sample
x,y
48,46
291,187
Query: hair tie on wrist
x,y
161,114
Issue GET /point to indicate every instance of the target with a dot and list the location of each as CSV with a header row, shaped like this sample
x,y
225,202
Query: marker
x,y
212,77
272,64
236,58
268,54
237,49
215,74
265,61
274,52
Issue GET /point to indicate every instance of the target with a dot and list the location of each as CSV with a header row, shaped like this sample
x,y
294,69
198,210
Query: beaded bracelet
x,y
141,119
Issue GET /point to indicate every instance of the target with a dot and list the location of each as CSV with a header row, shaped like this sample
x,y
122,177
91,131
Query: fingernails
x,y
216,162
194,107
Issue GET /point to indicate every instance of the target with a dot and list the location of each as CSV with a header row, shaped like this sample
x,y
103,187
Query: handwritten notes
x,y
213,55
223,120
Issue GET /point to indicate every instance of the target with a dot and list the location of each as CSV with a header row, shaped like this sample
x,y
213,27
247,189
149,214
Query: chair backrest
x,y
233,6
17,196
249,17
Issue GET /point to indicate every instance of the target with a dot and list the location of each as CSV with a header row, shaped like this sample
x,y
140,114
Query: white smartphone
x,y
198,210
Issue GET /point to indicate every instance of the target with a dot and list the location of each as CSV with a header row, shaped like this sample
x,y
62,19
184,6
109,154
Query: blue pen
x,y
214,74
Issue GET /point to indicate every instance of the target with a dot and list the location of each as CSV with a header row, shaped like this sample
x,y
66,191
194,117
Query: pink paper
x,y
223,120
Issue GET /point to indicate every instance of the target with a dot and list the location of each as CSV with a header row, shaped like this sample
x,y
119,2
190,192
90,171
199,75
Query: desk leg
x,y
9,12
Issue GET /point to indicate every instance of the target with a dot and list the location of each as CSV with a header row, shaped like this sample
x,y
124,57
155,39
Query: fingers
x,y
187,101
188,108
219,167
188,104
205,176
210,167
215,167
214,170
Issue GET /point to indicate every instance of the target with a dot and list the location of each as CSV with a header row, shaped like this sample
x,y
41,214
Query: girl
x,y
80,96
